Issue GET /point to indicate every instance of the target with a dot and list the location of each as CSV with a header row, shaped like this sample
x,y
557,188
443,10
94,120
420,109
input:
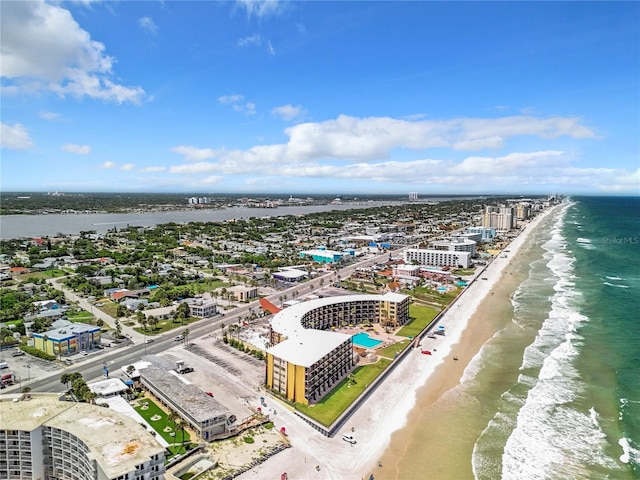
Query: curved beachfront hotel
x,y
41,437
308,358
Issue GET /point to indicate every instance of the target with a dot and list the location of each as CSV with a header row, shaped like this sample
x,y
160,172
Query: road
x,y
91,368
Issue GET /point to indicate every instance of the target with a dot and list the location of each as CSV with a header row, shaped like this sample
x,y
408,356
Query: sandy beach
x,y
383,425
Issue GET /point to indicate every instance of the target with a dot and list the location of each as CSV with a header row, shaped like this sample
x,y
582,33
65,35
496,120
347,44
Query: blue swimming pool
x,y
364,340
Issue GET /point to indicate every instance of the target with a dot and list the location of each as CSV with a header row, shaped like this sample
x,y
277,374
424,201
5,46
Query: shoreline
x,y
387,411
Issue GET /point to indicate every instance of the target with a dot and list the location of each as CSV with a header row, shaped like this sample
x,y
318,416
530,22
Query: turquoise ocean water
x,y
572,408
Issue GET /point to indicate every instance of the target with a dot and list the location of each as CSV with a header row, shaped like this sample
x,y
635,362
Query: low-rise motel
x,y
308,358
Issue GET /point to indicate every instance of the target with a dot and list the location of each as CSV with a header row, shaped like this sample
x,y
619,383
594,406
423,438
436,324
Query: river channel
x,y
29,226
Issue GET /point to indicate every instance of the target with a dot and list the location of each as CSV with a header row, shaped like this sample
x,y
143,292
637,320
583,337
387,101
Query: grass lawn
x,y
391,350
159,425
422,316
433,297
81,316
109,307
29,277
342,396
463,272
165,326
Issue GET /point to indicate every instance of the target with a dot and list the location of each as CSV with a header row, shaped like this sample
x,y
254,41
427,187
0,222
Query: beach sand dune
x,y
387,409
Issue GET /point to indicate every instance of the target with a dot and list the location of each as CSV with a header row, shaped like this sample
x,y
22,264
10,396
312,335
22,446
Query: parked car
x,y
186,370
83,352
349,439
17,353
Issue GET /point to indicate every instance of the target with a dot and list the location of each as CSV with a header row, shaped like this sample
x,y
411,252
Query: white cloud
x,y
211,180
513,162
147,24
195,168
270,49
230,99
107,165
262,8
194,154
152,169
44,49
77,149
127,167
369,139
51,116
373,145
252,40
288,112
238,104
15,137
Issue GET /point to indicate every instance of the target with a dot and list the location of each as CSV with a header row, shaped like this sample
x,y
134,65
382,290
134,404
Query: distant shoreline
x,y
30,226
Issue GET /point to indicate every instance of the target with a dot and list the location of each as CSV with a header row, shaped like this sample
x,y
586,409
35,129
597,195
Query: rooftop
x,y
195,402
306,346
118,443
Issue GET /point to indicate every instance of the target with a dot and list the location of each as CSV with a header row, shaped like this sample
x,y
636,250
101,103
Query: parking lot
x,y
25,367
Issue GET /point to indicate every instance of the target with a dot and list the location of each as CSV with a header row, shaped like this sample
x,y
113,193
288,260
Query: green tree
x,y
65,378
172,418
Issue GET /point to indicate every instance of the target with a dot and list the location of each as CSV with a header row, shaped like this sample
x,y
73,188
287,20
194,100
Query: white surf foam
x,y
615,285
551,439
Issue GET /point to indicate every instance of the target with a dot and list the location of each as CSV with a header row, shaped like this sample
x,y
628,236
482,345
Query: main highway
x,y
92,366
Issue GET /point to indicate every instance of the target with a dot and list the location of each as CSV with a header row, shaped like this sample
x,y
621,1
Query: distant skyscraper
x,y
413,196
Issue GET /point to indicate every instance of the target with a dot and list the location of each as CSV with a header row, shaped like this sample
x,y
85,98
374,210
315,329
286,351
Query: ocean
x,y
559,382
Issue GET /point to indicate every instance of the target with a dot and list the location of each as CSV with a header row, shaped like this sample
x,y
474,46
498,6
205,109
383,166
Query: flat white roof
x,y
291,273
306,346
108,387
117,442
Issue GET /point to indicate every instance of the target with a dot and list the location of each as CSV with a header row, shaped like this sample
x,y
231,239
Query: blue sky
x,y
321,97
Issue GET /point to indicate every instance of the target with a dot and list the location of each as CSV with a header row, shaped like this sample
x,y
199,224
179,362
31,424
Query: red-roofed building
x,y
267,306
18,270
120,294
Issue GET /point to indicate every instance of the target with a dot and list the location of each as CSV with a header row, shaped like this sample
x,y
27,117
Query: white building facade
x,y
438,258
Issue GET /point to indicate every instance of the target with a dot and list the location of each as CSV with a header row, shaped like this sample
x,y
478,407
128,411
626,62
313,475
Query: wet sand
x,y
418,423
437,441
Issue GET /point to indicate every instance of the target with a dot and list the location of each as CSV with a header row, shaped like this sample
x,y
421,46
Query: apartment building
x,y
202,308
43,438
308,359
437,258
455,244
500,218
487,234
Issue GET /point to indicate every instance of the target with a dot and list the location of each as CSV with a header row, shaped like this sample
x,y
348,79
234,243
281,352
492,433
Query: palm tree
x,y
65,378
153,321
172,417
89,396
185,334
182,425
